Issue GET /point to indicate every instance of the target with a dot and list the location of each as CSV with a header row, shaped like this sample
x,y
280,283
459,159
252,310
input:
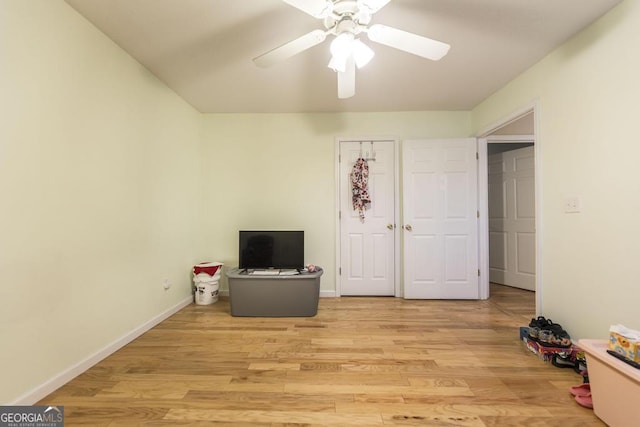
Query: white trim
x,y
483,202
338,265
534,108
397,224
396,201
537,149
328,294
67,375
506,139
483,221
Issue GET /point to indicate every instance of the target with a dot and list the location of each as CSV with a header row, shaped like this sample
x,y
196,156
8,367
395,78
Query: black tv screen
x,y
271,249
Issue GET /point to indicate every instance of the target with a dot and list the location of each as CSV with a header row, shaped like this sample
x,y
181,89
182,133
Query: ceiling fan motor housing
x,y
347,17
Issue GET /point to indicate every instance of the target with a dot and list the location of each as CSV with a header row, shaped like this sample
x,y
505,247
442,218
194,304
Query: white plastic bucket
x,y
206,293
207,267
204,277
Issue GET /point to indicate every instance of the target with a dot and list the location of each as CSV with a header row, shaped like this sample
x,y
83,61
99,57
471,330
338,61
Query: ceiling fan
x,y
346,20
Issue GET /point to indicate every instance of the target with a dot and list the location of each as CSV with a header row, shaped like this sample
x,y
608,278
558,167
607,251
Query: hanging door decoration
x,y
359,186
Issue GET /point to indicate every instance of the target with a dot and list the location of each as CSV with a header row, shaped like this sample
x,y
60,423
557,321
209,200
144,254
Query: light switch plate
x,y
572,204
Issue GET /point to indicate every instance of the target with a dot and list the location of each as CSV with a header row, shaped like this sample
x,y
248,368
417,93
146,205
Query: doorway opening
x,y
511,178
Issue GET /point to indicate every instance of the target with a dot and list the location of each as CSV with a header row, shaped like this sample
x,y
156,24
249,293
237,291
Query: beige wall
x,y
588,94
110,183
277,171
99,191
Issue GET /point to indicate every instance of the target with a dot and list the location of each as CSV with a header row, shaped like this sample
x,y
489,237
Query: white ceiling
x,y
203,50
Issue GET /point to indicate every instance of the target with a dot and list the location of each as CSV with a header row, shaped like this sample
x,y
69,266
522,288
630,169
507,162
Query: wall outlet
x,y
572,204
166,284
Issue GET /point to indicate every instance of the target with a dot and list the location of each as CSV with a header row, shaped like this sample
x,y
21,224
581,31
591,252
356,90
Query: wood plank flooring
x,y
359,362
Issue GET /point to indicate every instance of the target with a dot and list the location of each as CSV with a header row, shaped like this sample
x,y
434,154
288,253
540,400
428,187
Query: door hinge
x,y
339,271
477,156
339,214
478,272
477,214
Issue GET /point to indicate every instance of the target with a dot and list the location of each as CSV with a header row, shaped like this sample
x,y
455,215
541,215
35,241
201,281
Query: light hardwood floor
x,y
360,361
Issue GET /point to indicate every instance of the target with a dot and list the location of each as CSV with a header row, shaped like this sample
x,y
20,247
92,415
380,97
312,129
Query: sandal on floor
x,y
585,401
580,390
562,362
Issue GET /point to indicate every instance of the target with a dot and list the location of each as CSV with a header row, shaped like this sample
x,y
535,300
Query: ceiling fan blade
x,y
291,48
408,42
347,80
315,8
372,6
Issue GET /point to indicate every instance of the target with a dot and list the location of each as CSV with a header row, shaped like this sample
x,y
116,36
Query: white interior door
x,y
512,236
440,218
367,247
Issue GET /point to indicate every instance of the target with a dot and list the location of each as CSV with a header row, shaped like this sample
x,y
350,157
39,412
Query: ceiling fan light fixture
x,y
338,64
342,45
346,46
341,49
362,53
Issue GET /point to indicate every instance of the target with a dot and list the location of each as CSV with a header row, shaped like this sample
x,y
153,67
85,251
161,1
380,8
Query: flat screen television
x,y
271,249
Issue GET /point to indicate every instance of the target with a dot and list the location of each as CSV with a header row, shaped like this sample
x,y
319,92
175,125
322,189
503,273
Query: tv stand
x,y
274,295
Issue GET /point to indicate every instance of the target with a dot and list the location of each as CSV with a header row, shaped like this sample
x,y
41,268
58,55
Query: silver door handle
x,y
390,226
408,227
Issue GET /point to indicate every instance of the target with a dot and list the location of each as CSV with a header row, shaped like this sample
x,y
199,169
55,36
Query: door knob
x,y
408,227
390,226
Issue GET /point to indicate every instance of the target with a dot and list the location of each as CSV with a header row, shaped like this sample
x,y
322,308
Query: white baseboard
x,y
327,294
64,377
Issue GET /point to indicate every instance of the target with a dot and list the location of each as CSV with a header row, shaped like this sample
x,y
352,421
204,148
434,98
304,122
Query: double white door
x,y
438,227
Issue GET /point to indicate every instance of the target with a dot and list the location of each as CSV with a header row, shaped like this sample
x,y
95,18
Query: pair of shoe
x,y
563,360
582,395
548,334
568,360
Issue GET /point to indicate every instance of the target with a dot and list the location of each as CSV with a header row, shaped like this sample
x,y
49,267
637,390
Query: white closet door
x,y
512,205
367,248
440,221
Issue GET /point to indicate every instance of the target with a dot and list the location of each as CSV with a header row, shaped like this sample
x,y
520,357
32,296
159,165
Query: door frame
x,y
511,139
483,189
396,208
